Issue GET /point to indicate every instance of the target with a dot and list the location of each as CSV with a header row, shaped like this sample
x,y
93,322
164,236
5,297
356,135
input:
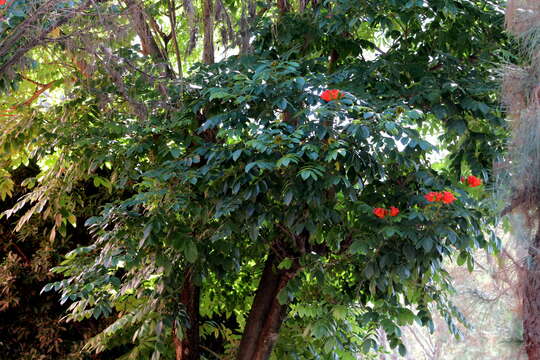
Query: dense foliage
x,y
291,189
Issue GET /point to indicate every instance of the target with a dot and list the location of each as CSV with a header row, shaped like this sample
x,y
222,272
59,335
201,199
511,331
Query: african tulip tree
x,y
288,189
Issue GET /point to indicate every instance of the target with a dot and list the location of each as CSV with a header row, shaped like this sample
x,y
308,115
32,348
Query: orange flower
x,y
473,181
394,211
329,95
380,212
432,196
448,197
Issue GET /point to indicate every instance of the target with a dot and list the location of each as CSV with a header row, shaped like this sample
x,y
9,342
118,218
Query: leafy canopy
x,y
214,170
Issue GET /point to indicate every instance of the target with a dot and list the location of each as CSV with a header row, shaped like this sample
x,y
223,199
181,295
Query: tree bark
x,y
334,56
283,6
208,20
531,301
267,314
148,43
189,347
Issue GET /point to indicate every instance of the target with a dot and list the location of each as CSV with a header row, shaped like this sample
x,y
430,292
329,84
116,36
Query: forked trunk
x,y
267,314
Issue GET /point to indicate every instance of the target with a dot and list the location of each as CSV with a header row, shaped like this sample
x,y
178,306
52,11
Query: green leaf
x,y
462,258
340,312
288,198
427,244
146,234
176,152
47,288
402,350
287,159
254,232
219,94
236,154
283,297
368,345
191,252
250,166
405,316
369,271
72,220
358,247
285,264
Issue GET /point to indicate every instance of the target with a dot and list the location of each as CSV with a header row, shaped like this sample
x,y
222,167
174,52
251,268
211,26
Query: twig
x,y
216,355
172,17
36,94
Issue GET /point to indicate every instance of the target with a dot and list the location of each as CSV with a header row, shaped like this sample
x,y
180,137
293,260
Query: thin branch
x,y
36,94
216,355
154,26
172,17
34,41
21,253
24,27
425,347
32,81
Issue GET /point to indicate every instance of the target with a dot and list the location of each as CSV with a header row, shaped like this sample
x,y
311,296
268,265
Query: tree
x,y
285,190
522,98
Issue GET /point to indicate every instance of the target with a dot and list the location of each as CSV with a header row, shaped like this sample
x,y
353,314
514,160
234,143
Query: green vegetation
x,y
204,208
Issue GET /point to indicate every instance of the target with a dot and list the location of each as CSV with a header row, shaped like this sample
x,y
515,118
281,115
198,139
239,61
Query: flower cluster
x,y
446,197
472,181
329,95
381,213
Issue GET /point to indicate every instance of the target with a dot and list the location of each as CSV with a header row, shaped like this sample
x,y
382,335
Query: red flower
x,y
432,196
2,2
445,196
380,212
329,95
394,211
473,181
448,197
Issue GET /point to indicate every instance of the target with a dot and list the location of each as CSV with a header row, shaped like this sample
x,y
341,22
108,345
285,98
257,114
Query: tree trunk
x,y
267,314
188,348
334,57
283,6
148,43
531,301
208,20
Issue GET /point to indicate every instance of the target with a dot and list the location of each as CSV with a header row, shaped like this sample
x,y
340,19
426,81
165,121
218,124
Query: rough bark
x,y
208,19
189,347
148,43
172,16
267,314
334,56
531,301
283,6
